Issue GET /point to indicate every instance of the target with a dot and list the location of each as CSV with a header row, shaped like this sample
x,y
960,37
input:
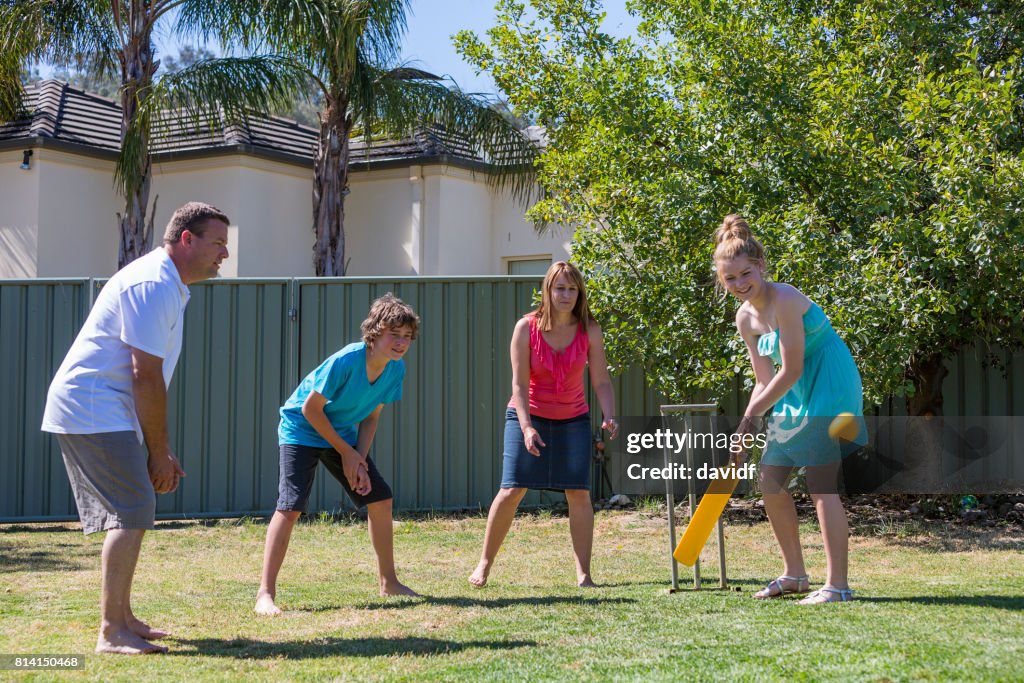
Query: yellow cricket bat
x,y
703,520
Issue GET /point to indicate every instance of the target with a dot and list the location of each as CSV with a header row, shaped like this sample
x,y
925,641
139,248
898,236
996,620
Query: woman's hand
x,y
532,441
750,424
611,425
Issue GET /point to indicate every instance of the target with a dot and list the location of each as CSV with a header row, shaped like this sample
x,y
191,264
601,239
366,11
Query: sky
x,y
428,42
433,22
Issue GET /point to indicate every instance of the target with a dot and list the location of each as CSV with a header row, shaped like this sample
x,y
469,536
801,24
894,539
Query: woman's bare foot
x,y
265,604
396,587
144,630
479,576
124,641
585,581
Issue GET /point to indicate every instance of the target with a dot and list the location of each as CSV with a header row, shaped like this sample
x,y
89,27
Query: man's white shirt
x,y
142,306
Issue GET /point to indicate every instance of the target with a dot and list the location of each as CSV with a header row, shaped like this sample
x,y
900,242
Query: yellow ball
x,y
844,427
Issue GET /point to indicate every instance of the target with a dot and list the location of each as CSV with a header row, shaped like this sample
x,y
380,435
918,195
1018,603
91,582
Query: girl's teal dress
x,y
829,385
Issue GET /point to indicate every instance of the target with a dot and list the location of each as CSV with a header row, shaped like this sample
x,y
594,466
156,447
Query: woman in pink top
x,y
547,422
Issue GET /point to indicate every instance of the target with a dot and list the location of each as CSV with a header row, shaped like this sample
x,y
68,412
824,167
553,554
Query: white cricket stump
x,y
688,410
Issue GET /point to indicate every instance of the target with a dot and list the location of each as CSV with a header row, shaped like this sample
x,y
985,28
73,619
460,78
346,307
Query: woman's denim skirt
x,y
564,460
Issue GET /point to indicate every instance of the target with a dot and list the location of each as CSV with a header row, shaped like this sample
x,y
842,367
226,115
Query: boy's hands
x,y
362,485
356,473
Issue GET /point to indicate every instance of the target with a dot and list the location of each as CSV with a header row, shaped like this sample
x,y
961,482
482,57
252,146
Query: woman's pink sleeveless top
x,y
556,379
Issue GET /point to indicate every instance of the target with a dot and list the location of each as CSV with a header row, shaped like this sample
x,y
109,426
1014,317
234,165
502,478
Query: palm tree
x,y
350,49
116,35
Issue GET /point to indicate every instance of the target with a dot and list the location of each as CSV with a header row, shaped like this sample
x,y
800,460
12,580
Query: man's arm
x,y
150,394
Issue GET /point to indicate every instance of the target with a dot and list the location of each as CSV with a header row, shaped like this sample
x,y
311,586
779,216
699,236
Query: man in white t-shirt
x,y
107,405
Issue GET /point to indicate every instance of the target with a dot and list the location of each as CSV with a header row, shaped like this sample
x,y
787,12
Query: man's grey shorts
x,y
110,479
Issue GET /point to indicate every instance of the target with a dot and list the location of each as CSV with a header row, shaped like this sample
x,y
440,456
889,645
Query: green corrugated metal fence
x,y
249,341
247,344
38,321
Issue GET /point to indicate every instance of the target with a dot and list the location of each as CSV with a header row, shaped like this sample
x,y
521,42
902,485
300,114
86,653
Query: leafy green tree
x,y
875,146
349,49
104,37
188,55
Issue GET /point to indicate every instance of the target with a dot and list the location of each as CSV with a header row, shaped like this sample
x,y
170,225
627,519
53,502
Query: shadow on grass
x,y
244,648
961,541
1012,603
60,557
493,603
633,584
41,527
709,584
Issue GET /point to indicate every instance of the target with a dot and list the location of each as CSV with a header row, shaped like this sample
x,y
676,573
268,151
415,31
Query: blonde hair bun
x,y
733,228
734,238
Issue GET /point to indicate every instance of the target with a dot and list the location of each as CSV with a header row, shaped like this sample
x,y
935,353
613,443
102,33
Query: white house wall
x,y
459,228
269,204
275,221
77,216
382,222
19,211
58,219
514,237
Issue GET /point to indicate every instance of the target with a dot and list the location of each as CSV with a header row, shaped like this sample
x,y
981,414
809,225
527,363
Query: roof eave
x,y
41,142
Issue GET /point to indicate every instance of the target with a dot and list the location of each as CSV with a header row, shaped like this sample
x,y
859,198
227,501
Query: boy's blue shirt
x,y
341,379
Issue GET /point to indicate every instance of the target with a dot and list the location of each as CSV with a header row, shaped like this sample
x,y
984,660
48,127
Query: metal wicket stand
x,y
688,411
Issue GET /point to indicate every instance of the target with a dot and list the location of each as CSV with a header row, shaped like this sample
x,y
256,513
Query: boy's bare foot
x,y
124,641
265,605
586,582
144,630
391,588
479,576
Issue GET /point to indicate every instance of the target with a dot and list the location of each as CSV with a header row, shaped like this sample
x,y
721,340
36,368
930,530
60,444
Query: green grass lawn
x,y
933,604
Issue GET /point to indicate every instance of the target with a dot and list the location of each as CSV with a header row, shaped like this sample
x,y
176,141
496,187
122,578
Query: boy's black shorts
x,y
298,470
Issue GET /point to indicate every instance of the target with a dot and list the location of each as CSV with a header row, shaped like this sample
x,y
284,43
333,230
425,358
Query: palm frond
x,y
401,106
75,33
244,23
329,36
386,23
64,32
215,91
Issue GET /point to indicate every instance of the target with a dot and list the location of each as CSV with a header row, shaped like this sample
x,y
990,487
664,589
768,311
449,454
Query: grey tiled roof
x,y
60,112
63,113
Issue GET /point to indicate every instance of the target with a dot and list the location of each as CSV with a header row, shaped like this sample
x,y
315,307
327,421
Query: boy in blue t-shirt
x,y
331,418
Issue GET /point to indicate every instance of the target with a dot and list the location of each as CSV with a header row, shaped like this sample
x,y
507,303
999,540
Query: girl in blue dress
x,y
817,380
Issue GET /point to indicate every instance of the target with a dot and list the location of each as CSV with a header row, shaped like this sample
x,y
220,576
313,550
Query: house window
x,y
530,266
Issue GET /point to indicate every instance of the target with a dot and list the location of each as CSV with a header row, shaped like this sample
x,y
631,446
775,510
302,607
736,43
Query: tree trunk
x,y
927,374
923,466
137,69
330,185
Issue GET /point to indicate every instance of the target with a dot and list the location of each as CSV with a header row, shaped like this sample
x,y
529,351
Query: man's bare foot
x,y
265,605
585,582
124,641
479,576
144,630
391,588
